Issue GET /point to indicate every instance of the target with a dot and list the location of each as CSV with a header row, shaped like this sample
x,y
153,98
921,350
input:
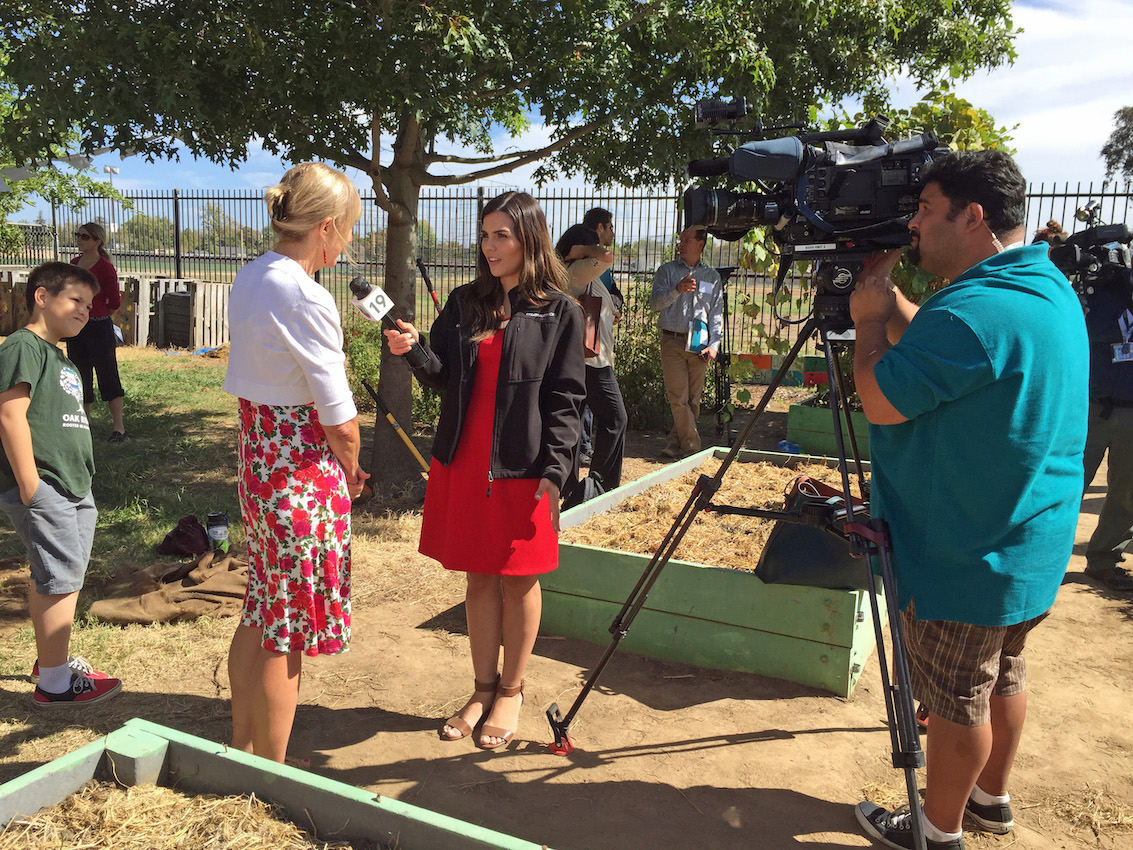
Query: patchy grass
x,y
180,458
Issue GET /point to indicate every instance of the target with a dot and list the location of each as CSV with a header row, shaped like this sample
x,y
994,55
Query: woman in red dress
x,y
507,353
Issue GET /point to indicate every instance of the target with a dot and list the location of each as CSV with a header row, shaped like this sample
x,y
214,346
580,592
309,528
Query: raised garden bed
x,y
142,752
811,428
711,617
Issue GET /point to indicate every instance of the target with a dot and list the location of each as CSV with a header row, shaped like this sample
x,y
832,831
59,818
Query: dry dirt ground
x,y
667,756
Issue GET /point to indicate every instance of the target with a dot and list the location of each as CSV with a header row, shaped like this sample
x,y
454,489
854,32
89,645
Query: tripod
x,y
868,539
722,379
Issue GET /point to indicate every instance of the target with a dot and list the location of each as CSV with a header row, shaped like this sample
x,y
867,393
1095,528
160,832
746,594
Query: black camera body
x,y
1096,255
842,194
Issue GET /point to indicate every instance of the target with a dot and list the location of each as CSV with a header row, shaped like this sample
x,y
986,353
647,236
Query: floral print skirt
x,y
296,512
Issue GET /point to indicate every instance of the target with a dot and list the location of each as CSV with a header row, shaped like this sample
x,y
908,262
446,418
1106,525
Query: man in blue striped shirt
x,y
690,299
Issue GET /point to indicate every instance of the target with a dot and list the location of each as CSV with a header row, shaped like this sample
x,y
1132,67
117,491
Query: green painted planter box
x,y
812,430
794,376
708,616
141,752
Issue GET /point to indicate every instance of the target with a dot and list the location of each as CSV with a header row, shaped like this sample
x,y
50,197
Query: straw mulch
x,y
1093,809
640,523
147,817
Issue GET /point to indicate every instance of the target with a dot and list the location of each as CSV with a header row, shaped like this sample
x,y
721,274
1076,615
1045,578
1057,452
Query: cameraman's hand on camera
x,y
708,355
687,284
401,342
874,299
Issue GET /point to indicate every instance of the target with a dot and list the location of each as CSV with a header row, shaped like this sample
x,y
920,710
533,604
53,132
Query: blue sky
x,y
1072,74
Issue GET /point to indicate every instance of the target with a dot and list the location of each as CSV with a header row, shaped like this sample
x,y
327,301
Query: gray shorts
x,y
58,532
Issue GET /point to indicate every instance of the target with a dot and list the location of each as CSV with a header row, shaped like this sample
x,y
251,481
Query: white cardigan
x,y
286,340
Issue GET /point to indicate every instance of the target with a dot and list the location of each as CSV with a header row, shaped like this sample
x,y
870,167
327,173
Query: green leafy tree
x,y
382,86
143,232
372,246
41,174
426,240
1118,149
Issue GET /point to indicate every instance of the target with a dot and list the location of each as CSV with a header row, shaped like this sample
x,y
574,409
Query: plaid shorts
x,y
956,667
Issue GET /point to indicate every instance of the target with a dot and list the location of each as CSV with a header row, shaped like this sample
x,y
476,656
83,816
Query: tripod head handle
x,y
725,272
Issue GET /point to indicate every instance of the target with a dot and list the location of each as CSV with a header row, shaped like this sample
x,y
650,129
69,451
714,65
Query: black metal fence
x,y
210,235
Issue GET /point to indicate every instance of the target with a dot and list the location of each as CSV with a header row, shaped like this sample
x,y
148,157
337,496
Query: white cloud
x,y
1071,75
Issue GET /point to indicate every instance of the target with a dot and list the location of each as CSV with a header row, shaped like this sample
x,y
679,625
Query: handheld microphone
x,y
375,305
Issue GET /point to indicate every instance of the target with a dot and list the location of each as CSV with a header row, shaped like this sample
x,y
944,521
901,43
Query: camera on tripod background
x,y
1097,255
837,195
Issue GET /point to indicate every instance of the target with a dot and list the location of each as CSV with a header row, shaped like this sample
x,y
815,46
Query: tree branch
x,y
375,170
518,159
642,14
474,160
346,155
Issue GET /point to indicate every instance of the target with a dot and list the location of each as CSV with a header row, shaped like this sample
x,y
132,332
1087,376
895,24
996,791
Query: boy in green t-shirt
x,y
45,475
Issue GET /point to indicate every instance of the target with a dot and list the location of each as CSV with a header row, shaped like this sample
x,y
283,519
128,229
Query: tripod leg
x,y
699,498
836,378
904,738
873,541
839,405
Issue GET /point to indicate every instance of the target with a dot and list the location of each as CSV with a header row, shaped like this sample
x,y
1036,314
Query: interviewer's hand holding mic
x,y
403,339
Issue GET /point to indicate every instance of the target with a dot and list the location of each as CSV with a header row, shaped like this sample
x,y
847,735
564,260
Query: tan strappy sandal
x,y
459,723
496,731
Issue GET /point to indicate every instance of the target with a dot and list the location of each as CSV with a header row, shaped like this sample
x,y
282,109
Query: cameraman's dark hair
x,y
54,277
597,216
988,178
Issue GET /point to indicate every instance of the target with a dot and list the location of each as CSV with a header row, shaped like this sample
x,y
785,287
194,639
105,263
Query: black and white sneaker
x,y
895,828
996,817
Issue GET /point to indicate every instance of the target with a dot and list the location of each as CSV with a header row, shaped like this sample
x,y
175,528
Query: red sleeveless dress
x,y
476,526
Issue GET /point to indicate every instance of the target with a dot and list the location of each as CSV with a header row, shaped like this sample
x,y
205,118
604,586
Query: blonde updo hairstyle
x,y
309,193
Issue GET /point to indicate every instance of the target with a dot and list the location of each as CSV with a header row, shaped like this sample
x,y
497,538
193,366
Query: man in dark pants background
x,y
976,439
586,249
1109,323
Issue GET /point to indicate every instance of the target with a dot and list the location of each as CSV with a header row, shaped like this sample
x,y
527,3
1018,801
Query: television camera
x,y
1098,255
834,197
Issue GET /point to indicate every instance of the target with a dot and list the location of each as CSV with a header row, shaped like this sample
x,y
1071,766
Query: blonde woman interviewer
x,y
299,444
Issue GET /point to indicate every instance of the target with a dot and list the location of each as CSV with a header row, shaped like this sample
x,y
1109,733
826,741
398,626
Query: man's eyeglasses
x,y
82,236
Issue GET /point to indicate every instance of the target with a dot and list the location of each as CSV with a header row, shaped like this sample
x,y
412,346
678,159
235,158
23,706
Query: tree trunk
x,y
392,465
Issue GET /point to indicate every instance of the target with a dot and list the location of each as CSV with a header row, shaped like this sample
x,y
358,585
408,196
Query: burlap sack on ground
x,y
211,586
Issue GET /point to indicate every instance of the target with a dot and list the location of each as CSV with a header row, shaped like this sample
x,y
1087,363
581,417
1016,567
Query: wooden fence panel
x,y
142,318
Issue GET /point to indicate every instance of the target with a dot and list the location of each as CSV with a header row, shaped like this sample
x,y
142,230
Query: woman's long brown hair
x,y
542,271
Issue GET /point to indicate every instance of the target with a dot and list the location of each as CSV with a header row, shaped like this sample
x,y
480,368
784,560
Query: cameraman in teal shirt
x,y
977,403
